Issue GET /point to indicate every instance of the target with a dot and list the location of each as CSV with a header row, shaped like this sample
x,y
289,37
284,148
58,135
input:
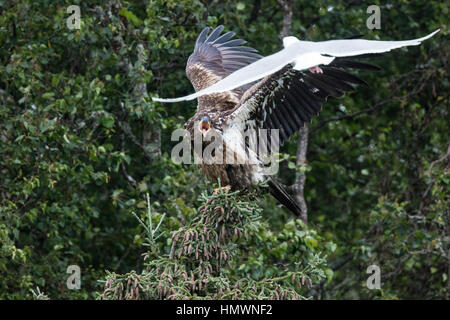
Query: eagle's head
x,y
204,125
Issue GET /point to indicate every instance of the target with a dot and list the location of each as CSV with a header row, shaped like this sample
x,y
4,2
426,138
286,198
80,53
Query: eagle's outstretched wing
x,y
285,100
289,98
216,56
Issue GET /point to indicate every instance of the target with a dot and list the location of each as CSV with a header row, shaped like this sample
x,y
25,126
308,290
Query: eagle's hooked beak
x,y
204,125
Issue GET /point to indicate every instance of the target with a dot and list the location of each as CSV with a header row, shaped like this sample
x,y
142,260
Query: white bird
x,y
304,55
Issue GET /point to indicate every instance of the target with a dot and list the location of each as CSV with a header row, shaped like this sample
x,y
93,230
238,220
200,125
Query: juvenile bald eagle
x,y
296,81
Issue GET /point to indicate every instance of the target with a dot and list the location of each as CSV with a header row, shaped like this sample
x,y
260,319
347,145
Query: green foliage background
x,y
81,143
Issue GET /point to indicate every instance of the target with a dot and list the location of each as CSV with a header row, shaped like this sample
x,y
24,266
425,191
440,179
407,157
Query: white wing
x,y
354,47
304,54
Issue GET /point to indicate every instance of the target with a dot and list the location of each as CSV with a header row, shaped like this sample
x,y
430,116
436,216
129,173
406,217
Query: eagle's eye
x,y
204,125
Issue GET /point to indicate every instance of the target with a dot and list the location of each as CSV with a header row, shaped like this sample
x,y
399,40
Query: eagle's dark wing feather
x,y
216,56
288,99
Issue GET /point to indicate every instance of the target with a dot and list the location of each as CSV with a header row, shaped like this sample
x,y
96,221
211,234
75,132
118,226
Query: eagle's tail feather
x,y
283,197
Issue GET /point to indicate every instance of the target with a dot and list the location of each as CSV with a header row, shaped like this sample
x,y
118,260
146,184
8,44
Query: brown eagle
x,y
291,90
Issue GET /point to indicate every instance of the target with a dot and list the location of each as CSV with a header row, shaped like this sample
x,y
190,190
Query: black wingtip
x,y
356,36
215,33
202,37
354,64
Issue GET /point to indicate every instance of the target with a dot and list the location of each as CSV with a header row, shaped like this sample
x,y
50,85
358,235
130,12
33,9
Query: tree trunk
x,y
288,6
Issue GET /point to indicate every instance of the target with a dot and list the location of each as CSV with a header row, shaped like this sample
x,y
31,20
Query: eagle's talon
x,y
222,189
